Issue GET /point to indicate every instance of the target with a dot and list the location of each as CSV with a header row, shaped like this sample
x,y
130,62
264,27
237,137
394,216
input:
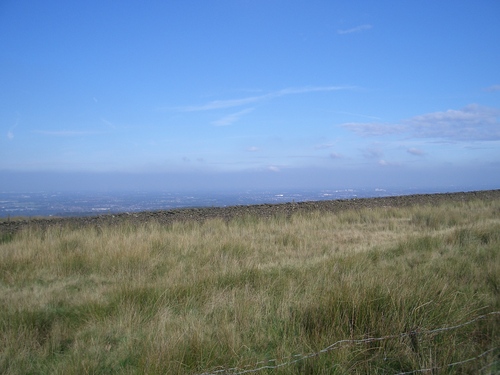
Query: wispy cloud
x,y
230,103
370,129
324,146
356,29
492,88
415,151
373,153
471,123
67,133
108,123
335,155
10,132
385,163
359,115
221,104
252,149
230,119
376,154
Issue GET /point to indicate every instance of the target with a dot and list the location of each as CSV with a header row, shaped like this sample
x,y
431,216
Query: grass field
x,y
192,298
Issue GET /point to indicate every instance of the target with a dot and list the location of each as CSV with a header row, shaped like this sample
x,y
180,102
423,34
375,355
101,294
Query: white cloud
x,y
220,104
273,168
253,149
356,29
471,123
335,155
229,119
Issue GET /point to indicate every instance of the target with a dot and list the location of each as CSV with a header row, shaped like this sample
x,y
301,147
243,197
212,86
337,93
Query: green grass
x,y
189,298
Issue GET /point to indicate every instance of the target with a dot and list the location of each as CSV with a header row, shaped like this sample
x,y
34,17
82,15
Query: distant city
x,y
64,204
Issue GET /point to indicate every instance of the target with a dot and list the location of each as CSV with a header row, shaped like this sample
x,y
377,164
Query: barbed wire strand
x,y
497,362
451,364
300,357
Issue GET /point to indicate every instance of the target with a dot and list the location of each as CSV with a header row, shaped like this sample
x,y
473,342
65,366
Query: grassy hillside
x,y
380,290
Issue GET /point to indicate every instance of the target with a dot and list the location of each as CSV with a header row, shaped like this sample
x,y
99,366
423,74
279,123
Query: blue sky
x,y
249,93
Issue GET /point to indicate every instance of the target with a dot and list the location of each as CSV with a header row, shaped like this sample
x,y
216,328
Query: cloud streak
x,y
324,146
67,133
356,29
471,123
373,129
359,115
230,103
230,119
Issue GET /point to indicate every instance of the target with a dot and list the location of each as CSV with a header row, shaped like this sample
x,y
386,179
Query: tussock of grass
x,y
190,297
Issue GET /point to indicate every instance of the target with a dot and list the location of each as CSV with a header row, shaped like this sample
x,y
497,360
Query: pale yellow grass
x,y
193,296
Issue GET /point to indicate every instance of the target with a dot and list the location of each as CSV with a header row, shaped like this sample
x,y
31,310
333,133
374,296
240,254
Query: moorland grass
x,y
188,298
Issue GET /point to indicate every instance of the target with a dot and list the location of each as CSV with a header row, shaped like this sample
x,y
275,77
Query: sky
x,y
222,94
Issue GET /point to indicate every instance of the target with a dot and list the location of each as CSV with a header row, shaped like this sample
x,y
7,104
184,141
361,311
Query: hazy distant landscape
x,y
64,204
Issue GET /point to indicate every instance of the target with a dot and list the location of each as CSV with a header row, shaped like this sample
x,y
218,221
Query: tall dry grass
x,y
189,298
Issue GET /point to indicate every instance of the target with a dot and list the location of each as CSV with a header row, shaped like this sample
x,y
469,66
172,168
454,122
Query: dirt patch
x,y
8,228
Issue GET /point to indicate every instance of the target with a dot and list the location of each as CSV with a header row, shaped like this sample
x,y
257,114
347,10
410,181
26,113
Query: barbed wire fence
x,y
287,361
